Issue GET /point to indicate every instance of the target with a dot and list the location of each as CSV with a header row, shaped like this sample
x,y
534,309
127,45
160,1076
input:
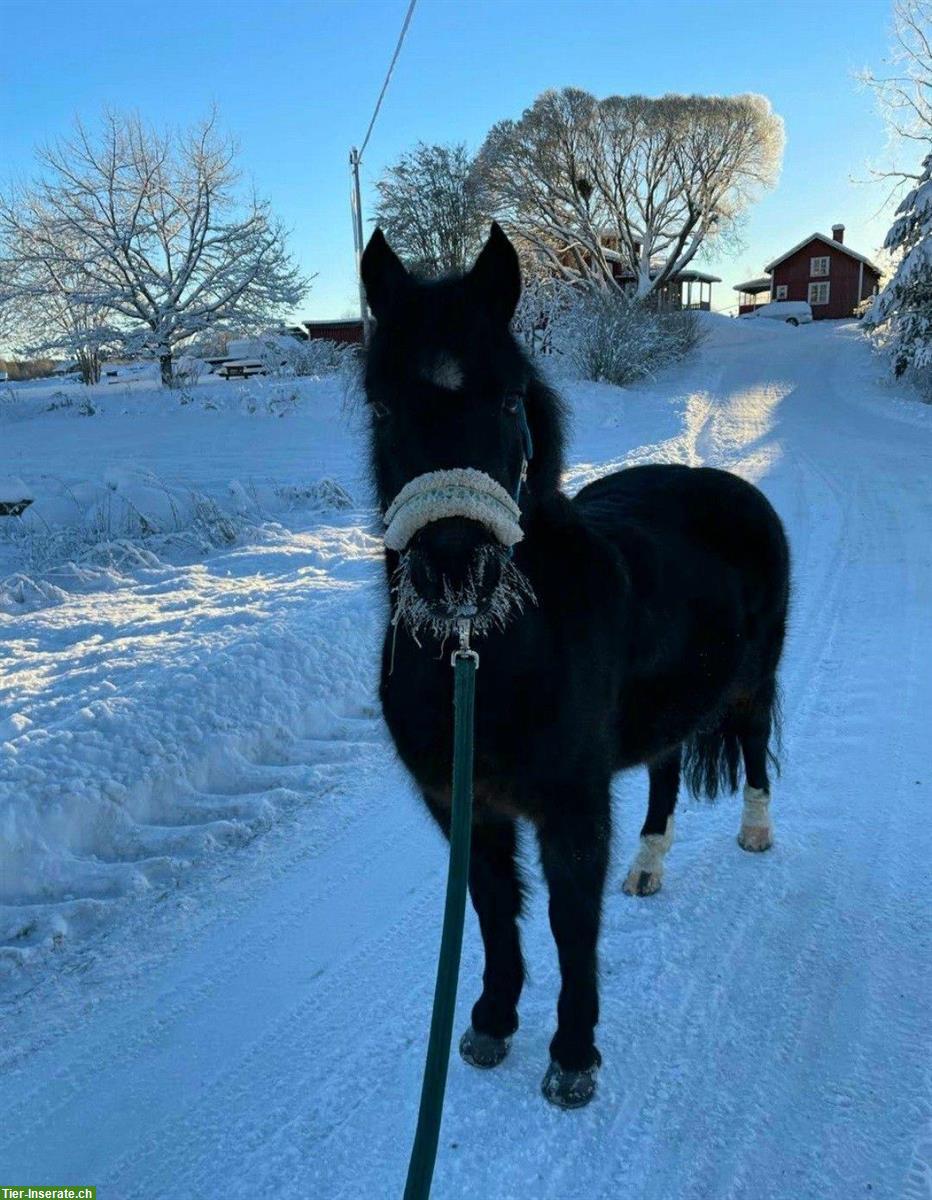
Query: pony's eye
x,y
379,411
511,402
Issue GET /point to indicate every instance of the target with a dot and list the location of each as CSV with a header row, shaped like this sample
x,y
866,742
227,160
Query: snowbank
x,y
178,608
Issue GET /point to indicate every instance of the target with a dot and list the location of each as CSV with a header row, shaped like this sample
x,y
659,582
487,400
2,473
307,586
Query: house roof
x,y
332,321
678,277
686,276
820,237
754,285
697,277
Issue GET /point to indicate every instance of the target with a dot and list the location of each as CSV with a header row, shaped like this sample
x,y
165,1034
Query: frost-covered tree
x,y
152,231
430,208
41,297
901,316
8,320
904,87
902,313
646,182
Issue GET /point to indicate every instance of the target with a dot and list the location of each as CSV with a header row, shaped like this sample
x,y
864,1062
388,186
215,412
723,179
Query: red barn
x,y
832,277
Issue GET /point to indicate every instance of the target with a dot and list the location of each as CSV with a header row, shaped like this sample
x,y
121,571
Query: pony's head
x,y
465,438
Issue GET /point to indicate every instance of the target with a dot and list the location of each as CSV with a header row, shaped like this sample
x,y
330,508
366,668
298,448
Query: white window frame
x,y
779,292
817,264
815,291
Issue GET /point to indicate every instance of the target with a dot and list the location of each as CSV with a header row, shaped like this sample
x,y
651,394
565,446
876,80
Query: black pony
x,y
640,622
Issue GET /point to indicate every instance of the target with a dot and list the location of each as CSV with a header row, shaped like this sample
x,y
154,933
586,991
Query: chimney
x,y
838,234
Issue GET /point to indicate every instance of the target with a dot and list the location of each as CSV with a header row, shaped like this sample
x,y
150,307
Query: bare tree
x,y
9,322
629,180
904,89
42,294
430,208
149,230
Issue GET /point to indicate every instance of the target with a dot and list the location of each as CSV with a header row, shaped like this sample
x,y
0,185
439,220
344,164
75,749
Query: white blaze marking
x,y
445,372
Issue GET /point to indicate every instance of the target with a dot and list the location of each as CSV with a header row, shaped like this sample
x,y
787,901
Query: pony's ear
x,y
496,275
383,274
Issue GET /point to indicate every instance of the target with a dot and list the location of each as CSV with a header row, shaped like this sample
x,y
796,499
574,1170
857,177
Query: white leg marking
x,y
646,874
756,823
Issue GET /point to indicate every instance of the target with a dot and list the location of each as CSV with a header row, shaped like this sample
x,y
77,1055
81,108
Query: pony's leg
x,y
496,891
756,831
646,874
574,843
497,894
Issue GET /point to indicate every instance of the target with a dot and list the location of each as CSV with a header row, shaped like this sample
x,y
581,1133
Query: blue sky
x,y
295,82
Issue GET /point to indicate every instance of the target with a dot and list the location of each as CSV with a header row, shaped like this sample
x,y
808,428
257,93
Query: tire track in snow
x,y
684,1043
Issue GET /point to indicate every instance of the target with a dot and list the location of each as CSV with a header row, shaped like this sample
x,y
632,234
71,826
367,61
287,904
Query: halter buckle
x,y
464,650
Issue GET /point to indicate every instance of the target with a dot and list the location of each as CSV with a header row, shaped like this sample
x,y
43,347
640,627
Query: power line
x,y
355,160
391,67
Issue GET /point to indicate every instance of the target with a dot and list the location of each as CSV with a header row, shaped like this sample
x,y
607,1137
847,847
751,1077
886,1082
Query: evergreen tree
x,y
902,313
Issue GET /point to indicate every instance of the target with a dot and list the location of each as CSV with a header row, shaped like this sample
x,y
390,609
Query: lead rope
x,y
465,663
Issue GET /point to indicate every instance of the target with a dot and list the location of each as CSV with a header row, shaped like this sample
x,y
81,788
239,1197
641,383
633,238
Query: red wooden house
x,y
832,277
344,329
677,293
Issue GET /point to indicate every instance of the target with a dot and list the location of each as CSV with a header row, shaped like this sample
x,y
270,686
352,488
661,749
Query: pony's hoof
x,y
755,838
482,1050
642,883
645,875
569,1089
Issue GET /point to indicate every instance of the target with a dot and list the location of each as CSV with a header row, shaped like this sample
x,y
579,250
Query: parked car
x,y
793,312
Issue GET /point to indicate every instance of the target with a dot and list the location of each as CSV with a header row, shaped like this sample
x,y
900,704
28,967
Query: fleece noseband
x,y
461,492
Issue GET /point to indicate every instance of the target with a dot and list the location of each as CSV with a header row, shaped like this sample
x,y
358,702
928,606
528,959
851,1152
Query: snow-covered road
x,y
766,1020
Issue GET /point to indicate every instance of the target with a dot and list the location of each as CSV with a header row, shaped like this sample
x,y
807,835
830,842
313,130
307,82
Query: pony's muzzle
x,y
455,567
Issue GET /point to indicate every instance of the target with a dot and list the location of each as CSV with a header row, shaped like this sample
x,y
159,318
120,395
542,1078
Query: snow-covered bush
x,y
901,316
546,301
187,373
279,401
619,340
601,335
686,331
287,356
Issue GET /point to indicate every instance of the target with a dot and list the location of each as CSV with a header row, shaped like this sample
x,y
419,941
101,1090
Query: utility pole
x,y
355,159
356,206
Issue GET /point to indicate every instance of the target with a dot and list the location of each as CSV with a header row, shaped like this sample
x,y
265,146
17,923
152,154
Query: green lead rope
x,y
430,1113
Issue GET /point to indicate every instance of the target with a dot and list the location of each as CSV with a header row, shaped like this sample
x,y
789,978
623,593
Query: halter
x,y
461,492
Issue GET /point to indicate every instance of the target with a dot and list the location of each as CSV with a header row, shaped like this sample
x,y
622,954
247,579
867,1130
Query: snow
x,y
221,900
136,673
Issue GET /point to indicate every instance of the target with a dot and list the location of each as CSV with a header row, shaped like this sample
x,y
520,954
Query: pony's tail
x,y
711,760
712,757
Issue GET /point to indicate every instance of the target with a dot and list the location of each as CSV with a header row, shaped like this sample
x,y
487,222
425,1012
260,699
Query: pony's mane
x,y
547,416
